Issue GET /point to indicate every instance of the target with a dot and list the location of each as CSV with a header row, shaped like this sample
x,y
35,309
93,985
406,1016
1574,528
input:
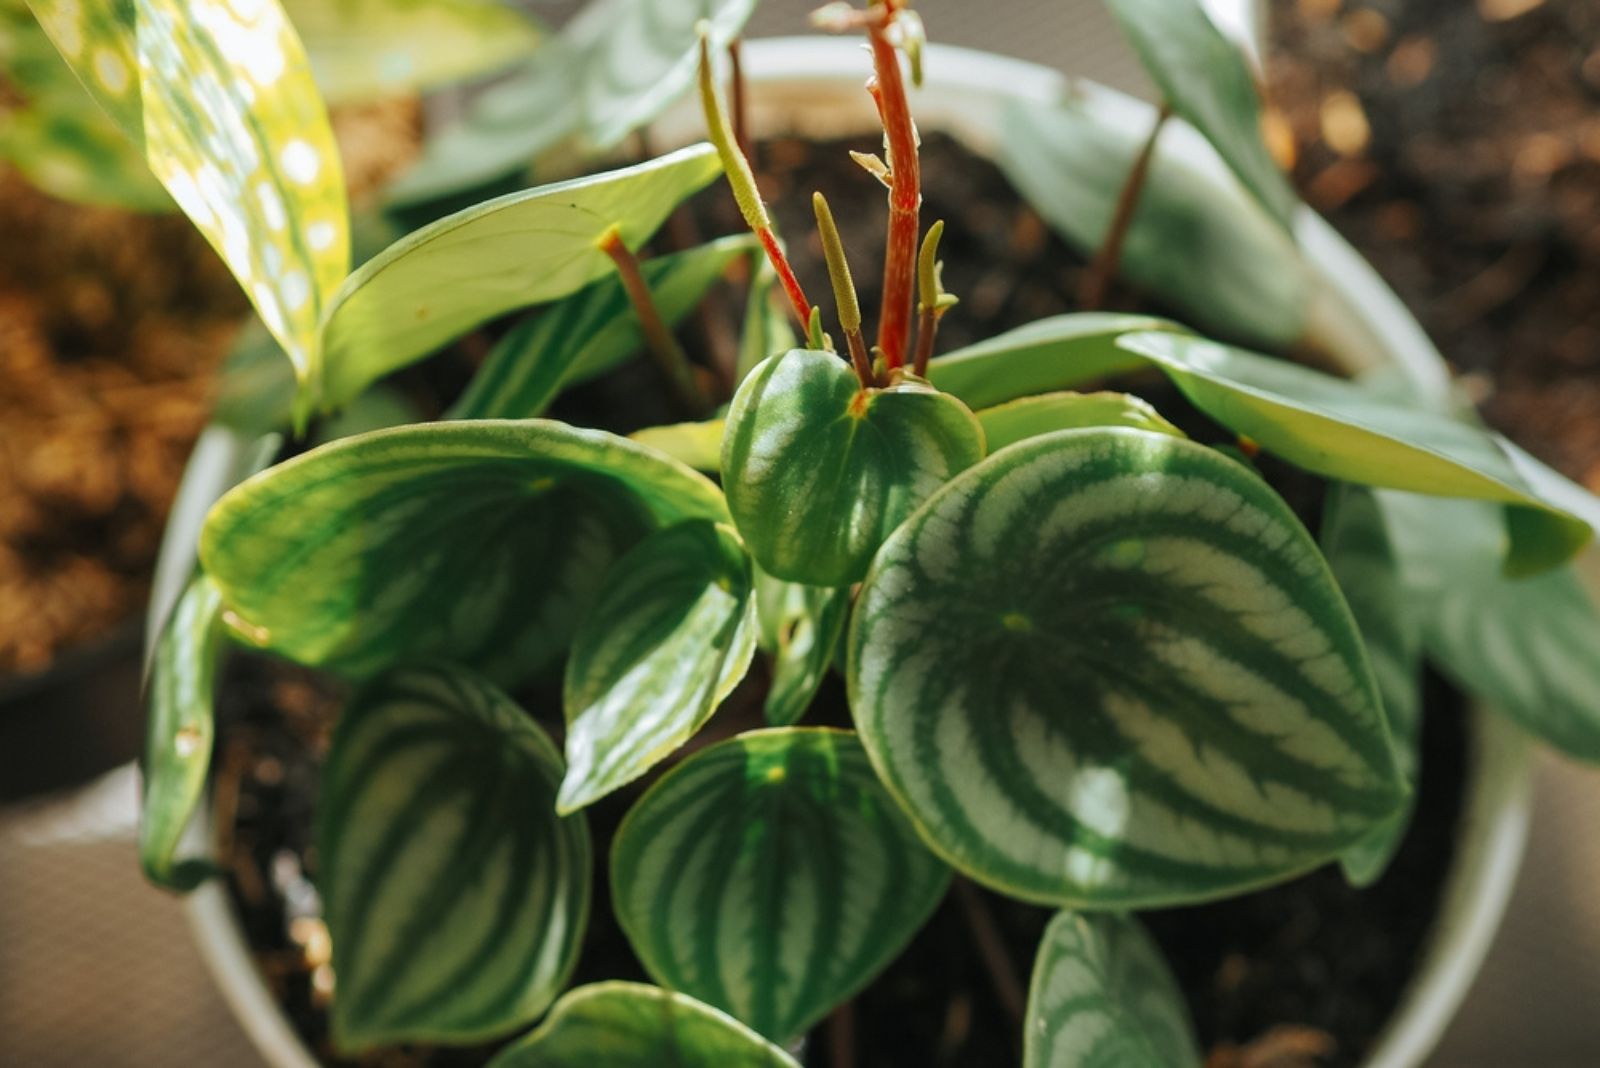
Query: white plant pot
x,y
812,87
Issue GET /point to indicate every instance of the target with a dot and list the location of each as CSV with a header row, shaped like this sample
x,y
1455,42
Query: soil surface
x,y
1311,968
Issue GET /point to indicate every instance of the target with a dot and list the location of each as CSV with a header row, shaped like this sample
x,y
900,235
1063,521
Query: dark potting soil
x,y
1312,964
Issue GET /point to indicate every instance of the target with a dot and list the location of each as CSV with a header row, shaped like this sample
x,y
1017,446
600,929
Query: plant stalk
x,y
888,90
1108,260
932,302
664,348
844,289
992,948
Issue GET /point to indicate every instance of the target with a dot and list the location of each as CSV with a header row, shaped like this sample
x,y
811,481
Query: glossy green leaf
x,y
767,330
1199,242
456,898
818,471
516,250
588,333
800,626
368,49
1103,996
479,542
771,876
1344,431
671,633
1356,542
630,1025
1061,352
179,727
1109,669
1528,647
696,445
1018,420
1208,80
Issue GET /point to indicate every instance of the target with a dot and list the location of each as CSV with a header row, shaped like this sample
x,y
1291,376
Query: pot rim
x,y
812,86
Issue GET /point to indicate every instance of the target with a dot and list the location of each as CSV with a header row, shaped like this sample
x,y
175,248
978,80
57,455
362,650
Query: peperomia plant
x,y
1090,662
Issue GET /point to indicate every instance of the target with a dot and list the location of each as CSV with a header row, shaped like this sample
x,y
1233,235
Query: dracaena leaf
x,y
480,542
456,898
630,1025
588,333
771,876
800,627
819,471
671,633
1109,668
1344,431
1207,79
1102,995
516,250
1018,420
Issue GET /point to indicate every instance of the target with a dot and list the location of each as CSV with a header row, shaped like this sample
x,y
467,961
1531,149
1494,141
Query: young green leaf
x,y
630,1025
1109,669
1061,352
696,445
1199,242
1342,430
800,626
671,633
516,250
178,733
1018,420
1356,542
479,542
767,330
364,50
1528,647
588,333
771,876
818,471
456,898
1102,995
1206,79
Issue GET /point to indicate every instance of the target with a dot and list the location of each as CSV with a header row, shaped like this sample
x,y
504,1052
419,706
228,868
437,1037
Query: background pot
x,y
812,88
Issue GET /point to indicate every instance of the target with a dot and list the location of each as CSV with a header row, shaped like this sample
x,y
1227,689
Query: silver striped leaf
x,y
477,542
801,627
630,1025
772,877
1109,668
671,633
456,898
1103,997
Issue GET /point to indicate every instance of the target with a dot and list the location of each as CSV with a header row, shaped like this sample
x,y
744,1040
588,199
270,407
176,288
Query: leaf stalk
x,y
663,346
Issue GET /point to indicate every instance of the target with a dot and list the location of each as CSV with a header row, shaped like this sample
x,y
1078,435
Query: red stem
x,y
1108,260
888,89
791,284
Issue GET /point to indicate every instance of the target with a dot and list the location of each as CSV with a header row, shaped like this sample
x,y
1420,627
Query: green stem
x,y
844,289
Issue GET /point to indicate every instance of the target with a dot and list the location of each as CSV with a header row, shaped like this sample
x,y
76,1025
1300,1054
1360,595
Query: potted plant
x,y
1091,663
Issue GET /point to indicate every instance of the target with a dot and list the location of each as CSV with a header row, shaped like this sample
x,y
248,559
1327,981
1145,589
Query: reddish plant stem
x,y
668,354
791,284
842,1036
739,102
927,330
1103,270
888,90
996,959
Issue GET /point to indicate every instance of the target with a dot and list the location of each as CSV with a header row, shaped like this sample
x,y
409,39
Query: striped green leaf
x,y
588,333
1061,352
1018,420
479,542
1356,542
1528,647
696,445
233,126
671,633
771,876
179,727
456,898
800,627
364,50
1199,242
1344,431
1103,997
516,250
630,1025
1208,80
818,471
1109,669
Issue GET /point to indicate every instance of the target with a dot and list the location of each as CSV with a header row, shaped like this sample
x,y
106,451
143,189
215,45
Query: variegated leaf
x,y
1102,997
671,633
818,471
516,250
1342,430
456,898
800,627
630,1025
1018,420
479,542
588,333
771,876
1109,669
